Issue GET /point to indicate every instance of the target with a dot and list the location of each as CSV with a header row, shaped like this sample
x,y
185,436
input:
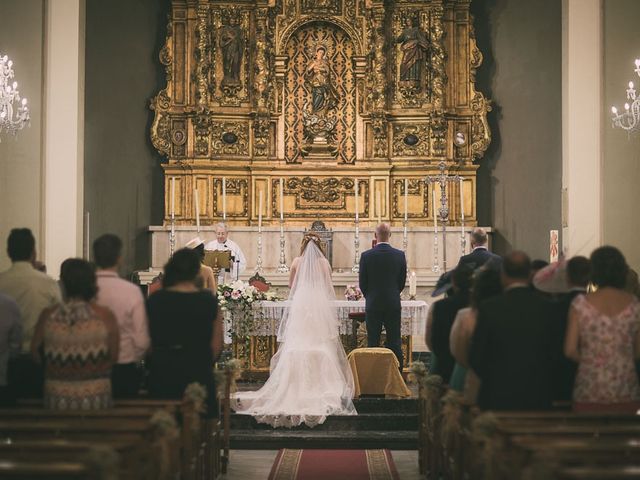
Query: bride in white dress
x,y
309,376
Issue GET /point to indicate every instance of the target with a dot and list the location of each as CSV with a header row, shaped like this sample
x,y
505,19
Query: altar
x,y
258,343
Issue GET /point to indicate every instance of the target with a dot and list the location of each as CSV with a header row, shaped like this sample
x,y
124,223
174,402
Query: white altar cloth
x,y
269,314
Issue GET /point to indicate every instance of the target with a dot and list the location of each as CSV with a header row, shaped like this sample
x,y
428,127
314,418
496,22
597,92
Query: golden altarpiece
x,y
318,95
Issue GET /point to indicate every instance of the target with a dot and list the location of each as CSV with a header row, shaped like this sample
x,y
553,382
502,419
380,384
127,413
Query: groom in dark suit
x,y
383,273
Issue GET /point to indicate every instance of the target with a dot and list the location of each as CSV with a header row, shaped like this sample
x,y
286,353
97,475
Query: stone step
x,y
385,405
383,422
313,438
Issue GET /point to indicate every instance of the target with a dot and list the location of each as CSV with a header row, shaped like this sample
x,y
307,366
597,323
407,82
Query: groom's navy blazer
x,y
383,273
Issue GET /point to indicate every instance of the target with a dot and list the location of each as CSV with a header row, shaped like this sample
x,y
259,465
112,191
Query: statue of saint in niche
x,y
415,51
323,94
232,45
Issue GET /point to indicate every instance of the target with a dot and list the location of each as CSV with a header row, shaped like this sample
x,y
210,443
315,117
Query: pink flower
x,y
235,295
227,293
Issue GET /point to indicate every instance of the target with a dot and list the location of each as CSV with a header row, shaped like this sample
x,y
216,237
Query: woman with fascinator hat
x,y
310,377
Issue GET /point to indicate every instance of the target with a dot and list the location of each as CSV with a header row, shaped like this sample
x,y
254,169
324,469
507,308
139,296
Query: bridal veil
x,y
310,377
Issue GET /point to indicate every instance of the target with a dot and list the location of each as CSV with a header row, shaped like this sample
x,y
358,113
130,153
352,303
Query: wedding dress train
x,y
310,377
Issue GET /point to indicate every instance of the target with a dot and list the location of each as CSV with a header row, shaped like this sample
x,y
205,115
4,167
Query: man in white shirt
x,y
126,302
33,291
223,243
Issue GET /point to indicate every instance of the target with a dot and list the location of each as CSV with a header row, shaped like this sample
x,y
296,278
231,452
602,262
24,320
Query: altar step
x,y
380,423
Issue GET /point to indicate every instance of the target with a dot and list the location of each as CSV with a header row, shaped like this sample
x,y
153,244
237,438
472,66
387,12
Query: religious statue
x,y
415,51
323,94
232,46
319,116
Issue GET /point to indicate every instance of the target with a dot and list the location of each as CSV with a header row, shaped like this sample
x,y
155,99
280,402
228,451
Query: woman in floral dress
x,y
603,336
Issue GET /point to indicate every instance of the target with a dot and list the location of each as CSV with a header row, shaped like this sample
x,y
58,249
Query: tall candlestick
x,y
355,188
224,198
260,212
281,198
406,198
379,205
435,215
196,201
173,198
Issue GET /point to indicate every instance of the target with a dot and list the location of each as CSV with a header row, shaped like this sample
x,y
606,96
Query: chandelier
x,y
14,113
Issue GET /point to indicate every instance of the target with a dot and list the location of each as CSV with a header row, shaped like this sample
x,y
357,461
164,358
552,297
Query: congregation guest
x,y
511,350
486,284
578,272
440,320
78,343
603,336
224,243
206,278
186,331
10,343
480,254
126,302
33,291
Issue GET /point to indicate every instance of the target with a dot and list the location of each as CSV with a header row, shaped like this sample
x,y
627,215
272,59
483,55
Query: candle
x,y
260,212
173,197
196,201
224,198
281,199
461,207
355,187
406,198
435,216
379,204
412,284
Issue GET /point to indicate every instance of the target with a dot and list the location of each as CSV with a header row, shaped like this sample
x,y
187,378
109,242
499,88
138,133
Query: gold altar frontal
x,y
305,102
262,348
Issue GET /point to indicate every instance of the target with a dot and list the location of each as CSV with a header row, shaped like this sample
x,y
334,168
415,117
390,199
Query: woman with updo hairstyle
x,y
78,342
186,332
603,337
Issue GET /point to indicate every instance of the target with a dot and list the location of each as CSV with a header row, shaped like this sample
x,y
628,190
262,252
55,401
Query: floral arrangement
x,y
353,292
238,298
240,294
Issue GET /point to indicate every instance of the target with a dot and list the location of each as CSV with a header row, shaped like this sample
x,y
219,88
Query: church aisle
x,y
256,464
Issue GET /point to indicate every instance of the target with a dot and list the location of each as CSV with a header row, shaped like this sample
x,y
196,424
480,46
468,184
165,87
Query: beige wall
x,y
21,38
621,153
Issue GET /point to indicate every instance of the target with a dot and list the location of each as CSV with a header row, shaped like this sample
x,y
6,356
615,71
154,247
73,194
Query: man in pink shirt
x,y
127,303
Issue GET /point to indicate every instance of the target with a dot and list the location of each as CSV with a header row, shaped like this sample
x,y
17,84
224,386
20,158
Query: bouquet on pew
x,y
353,292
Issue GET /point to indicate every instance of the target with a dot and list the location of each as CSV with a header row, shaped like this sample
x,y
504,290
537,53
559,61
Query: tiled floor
x,y
256,464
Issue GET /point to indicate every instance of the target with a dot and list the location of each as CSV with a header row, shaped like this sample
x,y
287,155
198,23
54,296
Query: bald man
x,y
383,273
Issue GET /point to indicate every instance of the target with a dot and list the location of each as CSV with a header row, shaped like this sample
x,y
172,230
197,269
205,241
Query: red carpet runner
x,y
333,465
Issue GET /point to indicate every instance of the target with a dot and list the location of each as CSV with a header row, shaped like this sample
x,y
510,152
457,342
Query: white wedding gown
x,y
310,377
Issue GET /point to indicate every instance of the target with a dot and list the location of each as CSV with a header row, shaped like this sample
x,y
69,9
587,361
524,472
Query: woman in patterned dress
x,y
603,336
78,342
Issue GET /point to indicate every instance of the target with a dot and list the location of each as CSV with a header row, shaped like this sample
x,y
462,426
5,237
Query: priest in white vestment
x,y
222,242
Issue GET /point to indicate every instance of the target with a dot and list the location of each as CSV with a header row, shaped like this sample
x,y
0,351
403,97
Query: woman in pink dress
x,y
603,336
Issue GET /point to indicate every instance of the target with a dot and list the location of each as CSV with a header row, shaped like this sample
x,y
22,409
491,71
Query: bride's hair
x,y
310,237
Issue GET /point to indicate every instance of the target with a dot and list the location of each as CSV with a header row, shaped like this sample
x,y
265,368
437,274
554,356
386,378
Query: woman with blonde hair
x,y
310,377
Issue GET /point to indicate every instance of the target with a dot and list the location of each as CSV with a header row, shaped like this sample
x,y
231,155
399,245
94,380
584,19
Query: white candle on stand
x,y
406,198
281,198
462,207
379,204
355,187
412,284
260,212
435,216
173,198
196,201
224,198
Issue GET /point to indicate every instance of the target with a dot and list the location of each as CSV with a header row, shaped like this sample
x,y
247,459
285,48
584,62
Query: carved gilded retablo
x,y
317,94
